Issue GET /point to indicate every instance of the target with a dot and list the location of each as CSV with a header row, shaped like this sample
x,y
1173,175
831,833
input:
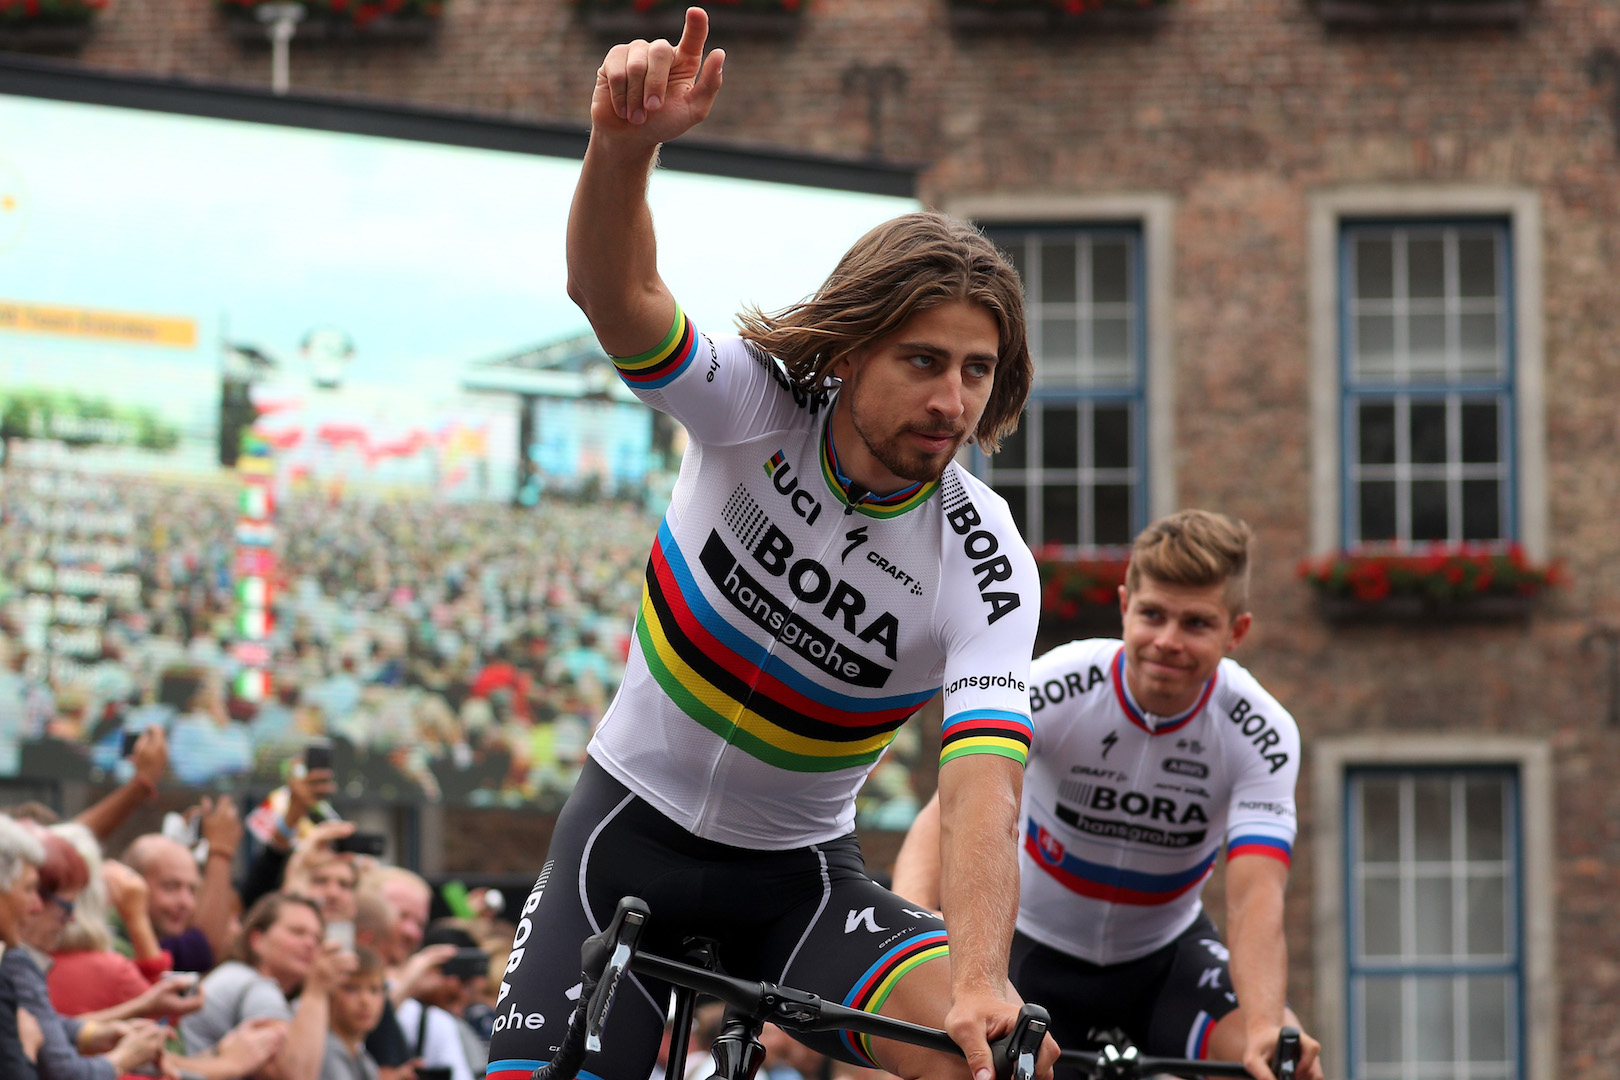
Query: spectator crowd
x,y
199,954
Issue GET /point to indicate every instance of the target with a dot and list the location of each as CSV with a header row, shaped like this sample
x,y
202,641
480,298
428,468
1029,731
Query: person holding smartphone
x,y
431,1020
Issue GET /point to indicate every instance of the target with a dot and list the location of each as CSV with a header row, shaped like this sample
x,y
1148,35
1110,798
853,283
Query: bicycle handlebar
x,y
1110,1063
606,957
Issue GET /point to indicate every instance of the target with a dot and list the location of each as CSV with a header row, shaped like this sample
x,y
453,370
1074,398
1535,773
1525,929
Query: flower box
x,y
1061,16
624,20
1354,13
1441,583
47,25
340,20
1079,596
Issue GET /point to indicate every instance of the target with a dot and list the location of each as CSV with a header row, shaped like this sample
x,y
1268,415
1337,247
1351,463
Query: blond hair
x,y
906,265
1196,548
86,929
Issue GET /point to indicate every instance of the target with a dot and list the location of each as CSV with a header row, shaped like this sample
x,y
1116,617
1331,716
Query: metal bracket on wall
x,y
1609,636
876,82
1604,64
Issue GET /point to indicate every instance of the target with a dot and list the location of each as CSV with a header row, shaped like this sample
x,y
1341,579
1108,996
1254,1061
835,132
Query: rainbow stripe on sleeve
x,y
986,731
664,362
1270,846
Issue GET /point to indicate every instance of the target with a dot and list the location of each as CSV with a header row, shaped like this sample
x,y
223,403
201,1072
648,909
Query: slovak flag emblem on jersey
x,y
1051,846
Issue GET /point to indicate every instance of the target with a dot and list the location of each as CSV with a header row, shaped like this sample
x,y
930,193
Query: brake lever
x,y
1017,1054
1285,1060
622,934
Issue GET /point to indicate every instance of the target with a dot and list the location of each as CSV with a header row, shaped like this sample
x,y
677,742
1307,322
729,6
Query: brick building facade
x,y
1273,179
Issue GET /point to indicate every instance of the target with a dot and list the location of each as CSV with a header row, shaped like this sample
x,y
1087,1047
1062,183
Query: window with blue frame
x,y
1426,317
1437,979
1073,473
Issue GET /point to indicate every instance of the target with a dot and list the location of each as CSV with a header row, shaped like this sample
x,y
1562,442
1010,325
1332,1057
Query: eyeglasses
x,y
66,905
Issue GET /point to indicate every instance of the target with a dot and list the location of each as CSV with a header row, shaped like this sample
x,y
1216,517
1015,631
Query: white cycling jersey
x,y
1124,812
790,625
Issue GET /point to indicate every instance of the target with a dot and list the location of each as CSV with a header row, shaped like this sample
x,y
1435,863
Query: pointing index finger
x,y
693,36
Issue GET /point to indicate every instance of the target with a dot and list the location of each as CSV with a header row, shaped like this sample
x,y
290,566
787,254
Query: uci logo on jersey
x,y
781,473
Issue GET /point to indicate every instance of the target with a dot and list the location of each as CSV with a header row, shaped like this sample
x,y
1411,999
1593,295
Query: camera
x,y
466,964
361,843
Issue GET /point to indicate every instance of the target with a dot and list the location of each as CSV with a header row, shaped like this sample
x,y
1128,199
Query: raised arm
x,y
646,94
151,761
916,868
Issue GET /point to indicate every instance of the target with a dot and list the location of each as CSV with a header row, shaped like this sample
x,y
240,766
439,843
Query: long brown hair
x,y
903,266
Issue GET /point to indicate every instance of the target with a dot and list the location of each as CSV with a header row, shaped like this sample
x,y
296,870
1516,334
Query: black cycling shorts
x,y
808,918
1165,1003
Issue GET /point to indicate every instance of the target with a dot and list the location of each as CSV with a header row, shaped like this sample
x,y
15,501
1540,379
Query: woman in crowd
x,y
278,956
20,856
101,1047
86,973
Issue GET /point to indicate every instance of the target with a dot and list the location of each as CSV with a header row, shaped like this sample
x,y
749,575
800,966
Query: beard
x,y
892,453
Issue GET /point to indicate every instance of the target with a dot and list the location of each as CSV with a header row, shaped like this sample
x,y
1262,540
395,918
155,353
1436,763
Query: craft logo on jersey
x,y
781,473
1051,846
1149,814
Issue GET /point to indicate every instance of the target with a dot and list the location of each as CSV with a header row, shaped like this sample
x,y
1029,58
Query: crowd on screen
x,y
206,955
460,651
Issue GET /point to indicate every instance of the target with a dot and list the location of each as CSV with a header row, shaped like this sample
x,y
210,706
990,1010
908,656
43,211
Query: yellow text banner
x,y
103,325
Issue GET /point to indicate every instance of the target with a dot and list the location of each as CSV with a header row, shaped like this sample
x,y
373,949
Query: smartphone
x,y
433,1072
191,979
361,843
127,747
182,831
341,932
466,964
318,754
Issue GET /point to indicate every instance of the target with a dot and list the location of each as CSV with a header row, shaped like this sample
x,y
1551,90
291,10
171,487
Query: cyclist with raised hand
x,y
824,568
1148,754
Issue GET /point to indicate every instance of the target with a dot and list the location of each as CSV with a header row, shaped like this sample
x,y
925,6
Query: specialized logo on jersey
x,y
753,695
856,537
781,473
981,547
1108,742
1102,881
1156,816
808,581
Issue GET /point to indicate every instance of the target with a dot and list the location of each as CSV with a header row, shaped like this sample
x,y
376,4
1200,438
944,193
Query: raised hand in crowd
x,y
131,896
313,851
220,825
419,972
151,760
306,788
151,756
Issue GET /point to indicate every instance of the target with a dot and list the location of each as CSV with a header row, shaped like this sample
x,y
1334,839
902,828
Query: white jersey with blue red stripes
x,y
790,624
1125,812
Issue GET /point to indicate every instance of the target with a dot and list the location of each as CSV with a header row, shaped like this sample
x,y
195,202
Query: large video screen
x,y
302,439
